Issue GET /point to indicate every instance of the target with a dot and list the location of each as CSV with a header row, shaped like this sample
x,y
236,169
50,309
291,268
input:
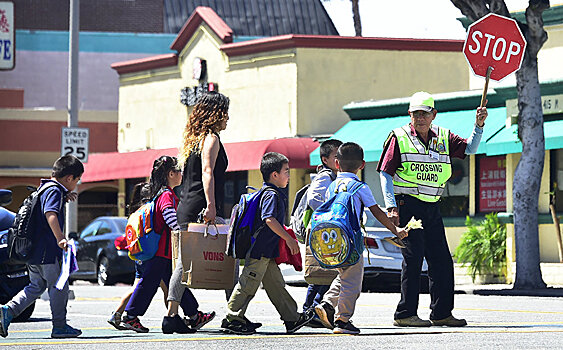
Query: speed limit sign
x,y
74,141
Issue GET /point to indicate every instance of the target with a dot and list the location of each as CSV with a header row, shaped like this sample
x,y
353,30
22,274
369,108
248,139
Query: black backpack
x,y
22,233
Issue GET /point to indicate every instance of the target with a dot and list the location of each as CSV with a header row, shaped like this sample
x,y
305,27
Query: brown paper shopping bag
x,y
206,266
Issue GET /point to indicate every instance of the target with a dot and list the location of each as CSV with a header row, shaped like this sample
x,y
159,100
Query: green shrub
x,y
483,247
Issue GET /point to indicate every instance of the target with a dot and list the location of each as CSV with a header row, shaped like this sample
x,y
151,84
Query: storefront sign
x,y
551,104
492,184
7,29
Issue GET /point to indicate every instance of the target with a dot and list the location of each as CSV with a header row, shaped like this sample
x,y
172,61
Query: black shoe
x,y
315,323
201,320
236,327
304,319
341,327
175,324
254,325
325,311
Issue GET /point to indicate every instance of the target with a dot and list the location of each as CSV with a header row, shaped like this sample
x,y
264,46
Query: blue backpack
x,y
336,238
245,224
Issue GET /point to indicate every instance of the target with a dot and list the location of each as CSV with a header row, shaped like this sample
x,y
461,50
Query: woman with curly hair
x,y
205,163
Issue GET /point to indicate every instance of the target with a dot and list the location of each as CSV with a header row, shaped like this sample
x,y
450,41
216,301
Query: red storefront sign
x,y
492,184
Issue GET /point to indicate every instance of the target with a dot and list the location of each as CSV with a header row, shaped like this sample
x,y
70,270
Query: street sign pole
x,y
74,25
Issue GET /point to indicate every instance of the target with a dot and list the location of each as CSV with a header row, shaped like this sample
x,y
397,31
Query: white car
x,y
382,261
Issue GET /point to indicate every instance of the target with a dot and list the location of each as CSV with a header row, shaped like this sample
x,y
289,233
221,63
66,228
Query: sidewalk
x,y
507,290
551,274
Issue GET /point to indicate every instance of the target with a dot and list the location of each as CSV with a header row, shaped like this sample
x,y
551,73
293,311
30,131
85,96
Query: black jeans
x,y
430,243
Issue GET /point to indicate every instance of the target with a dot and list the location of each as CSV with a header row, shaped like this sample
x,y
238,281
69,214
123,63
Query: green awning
x,y
506,141
372,133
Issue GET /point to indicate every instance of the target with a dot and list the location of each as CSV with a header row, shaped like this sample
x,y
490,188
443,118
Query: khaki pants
x,y
263,270
345,290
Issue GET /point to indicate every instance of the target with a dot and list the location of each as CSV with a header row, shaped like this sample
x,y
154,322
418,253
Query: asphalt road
x,y
495,322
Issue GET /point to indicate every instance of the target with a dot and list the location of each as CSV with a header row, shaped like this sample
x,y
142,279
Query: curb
x,y
546,292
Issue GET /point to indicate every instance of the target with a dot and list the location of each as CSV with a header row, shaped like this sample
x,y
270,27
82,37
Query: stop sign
x,y
494,41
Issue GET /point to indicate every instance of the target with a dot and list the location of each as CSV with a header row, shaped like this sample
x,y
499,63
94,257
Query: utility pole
x,y
73,30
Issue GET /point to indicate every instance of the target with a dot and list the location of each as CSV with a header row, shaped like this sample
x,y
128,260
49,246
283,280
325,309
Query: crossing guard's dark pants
x,y
430,243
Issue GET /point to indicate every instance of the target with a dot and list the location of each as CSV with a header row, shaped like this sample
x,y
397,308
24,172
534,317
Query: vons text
x,y
214,256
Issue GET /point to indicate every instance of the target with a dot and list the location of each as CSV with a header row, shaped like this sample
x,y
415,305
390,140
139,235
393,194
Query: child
x,y
316,192
340,300
165,175
45,264
139,196
260,265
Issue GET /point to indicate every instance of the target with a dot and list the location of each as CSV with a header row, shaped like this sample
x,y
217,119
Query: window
x,y
90,230
104,228
491,184
455,199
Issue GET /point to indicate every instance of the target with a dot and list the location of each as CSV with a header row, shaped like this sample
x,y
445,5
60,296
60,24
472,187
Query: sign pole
x,y
71,224
484,97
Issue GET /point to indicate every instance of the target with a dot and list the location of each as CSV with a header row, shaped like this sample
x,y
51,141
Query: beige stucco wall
x,y
327,79
150,112
262,89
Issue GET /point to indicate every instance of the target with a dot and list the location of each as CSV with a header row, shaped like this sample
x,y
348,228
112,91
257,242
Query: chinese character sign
x,y
492,184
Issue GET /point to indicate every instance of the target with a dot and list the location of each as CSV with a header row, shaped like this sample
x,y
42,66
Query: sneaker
x,y
236,327
316,322
134,324
304,319
325,311
5,319
65,332
254,325
341,327
115,320
201,320
413,321
450,321
175,324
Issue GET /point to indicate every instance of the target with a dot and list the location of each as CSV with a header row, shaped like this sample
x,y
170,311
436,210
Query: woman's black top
x,y
192,197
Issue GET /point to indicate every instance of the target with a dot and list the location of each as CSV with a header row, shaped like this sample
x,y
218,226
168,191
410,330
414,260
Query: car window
x,y
90,230
120,223
104,228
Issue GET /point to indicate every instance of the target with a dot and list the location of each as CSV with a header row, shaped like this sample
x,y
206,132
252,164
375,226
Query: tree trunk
x,y
527,177
357,19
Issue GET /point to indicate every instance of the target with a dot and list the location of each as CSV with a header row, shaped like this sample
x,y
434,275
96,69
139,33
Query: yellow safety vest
x,y
423,172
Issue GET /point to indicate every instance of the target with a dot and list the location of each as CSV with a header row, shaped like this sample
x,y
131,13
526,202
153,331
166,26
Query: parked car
x,y
101,252
382,261
13,276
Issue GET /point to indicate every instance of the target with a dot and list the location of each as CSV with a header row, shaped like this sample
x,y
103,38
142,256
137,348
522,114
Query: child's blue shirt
x,y
273,205
45,247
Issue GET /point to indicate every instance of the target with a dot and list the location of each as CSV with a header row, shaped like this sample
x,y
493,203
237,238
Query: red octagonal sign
x,y
494,41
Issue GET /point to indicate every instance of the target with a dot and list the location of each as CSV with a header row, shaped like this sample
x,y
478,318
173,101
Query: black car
x,y
101,252
13,276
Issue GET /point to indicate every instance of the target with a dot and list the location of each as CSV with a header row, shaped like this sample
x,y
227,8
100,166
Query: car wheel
x,y
103,278
26,314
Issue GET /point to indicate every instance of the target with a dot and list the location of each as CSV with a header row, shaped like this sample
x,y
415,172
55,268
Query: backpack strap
x,y
262,223
48,185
